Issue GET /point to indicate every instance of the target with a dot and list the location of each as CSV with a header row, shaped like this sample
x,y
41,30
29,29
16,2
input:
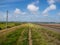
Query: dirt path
x,y
30,40
6,31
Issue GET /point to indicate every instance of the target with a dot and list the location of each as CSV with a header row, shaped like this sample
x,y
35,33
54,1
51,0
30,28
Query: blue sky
x,y
30,10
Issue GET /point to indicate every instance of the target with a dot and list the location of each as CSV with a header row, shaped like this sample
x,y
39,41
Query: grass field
x,y
10,24
20,36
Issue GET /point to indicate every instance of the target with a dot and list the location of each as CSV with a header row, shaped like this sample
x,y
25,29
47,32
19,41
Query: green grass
x,y
40,36
13,37
10,24
23,40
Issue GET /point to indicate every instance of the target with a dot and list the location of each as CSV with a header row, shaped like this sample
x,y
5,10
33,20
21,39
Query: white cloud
x,y
33,8
51,7
51,1
18,12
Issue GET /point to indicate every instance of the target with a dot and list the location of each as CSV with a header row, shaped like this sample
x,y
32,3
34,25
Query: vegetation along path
x,y
29,34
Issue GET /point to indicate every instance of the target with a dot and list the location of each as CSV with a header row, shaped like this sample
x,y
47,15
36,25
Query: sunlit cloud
x,y
51,6
19,12
32,8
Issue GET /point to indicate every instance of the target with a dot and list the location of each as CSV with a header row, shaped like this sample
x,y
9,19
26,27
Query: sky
x,y
30,10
